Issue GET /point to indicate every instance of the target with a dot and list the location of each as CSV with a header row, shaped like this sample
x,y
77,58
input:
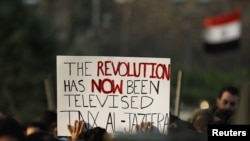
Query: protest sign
x,y
115,93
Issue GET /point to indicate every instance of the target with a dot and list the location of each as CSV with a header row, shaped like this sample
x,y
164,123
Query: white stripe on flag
x,y
223,33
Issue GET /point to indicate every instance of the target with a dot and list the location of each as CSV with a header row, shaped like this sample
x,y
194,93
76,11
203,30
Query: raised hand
x,y
144,127
76,130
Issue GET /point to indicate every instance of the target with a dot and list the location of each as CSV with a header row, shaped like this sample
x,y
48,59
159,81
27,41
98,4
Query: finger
x,y
142,126
81,127
75,126
70,129
149,127
78,126
137,128
146,126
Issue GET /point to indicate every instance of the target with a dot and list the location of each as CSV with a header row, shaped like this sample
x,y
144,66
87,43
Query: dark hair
x,y
231,89
48,117
9,126
94,134
42,126
41,136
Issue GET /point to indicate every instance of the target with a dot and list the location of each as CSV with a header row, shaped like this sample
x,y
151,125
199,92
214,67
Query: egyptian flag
x,y
222,32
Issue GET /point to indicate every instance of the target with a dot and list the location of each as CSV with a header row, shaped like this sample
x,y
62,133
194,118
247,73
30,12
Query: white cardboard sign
x,y
115,93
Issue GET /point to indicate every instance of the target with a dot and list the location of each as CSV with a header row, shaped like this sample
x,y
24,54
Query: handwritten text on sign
x,y
115,93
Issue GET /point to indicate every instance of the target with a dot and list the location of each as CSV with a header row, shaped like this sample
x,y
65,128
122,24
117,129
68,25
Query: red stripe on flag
x,y
222,19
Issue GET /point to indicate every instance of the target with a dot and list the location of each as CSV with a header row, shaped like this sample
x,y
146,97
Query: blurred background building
x,y
142,28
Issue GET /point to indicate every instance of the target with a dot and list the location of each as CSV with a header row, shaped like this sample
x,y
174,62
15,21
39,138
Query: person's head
x,y
96,134
11,129
48,117
35,127
41,136
228,98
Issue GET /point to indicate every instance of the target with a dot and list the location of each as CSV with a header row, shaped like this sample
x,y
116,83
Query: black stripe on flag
x,y
222,47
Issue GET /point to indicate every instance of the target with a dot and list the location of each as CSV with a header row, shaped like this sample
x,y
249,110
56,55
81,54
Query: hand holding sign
x,y
76,130
143,127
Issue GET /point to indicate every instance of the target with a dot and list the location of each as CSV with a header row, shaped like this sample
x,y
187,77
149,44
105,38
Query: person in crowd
x,y
53,129
144,127
11,129
180,129
96,134
78,132
226,104
200,120
49,119
178,125
41,136
35,126
224,107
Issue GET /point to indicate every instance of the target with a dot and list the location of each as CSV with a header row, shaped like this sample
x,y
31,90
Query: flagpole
x,y
178,93
49,93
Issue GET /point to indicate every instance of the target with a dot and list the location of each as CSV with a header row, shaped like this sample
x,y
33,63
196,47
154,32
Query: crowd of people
x,y
44,127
